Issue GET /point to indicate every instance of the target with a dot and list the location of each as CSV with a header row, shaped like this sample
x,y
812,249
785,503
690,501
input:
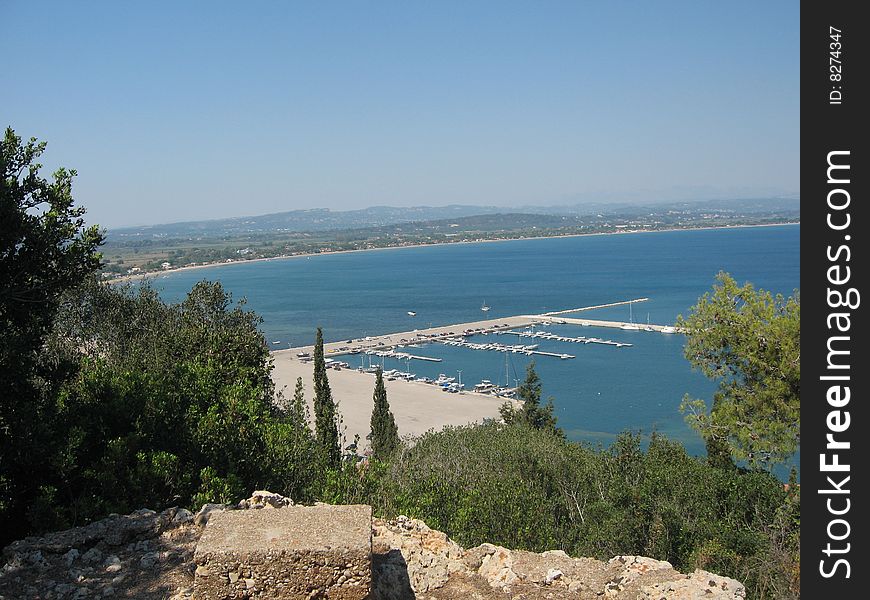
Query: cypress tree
x,y
325,418
531,413
297,412
385,434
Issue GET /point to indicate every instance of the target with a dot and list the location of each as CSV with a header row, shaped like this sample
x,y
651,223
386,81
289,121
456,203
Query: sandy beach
x,y
154,274
417,407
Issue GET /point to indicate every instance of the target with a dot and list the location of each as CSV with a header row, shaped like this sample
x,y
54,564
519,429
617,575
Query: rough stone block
x,y
287,553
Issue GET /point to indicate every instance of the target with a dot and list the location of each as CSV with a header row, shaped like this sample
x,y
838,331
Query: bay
x,y
604,390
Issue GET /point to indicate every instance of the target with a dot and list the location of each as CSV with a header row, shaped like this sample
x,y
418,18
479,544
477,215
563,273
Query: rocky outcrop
x,y
413,561
144,554
150,555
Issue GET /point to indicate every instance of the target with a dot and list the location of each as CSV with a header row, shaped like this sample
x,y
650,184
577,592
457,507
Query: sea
x,y
605,390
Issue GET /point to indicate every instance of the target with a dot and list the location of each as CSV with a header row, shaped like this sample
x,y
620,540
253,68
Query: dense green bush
x,y
525,488
165,404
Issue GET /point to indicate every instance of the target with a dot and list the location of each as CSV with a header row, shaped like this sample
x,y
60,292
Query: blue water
x,y
605,390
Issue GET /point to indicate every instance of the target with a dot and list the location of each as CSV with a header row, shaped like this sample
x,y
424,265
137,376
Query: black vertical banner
x,y
835,422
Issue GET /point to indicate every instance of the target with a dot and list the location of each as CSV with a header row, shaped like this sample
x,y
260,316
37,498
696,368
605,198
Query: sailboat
x,y
648,326
484,307
630,325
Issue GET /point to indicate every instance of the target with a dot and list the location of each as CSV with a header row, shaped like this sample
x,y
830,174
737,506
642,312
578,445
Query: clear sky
x,y
173,111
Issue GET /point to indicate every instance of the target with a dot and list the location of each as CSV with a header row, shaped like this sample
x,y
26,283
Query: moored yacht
x,y
484,387
444,379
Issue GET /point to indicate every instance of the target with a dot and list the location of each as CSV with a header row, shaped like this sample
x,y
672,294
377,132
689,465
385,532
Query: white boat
x,y
444,379
484,387
484,307
668,329
411,313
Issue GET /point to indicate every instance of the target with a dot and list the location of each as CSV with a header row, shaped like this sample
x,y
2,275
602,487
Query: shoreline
x,y
417,407
155,274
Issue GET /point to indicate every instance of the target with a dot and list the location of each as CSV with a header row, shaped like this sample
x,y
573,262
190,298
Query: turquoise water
x,y
605,390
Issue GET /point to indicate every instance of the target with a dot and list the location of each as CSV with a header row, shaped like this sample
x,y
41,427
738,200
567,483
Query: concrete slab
x,y
296,552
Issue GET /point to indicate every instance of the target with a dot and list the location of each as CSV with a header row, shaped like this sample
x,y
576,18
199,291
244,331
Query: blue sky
x,y
215,109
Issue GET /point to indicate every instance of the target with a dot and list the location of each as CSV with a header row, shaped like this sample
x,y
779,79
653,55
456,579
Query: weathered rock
x,y
150,556
71,556
206,511
699,584
265,499
149,560
92,556
296,552
496,565
428,556
85,561
182,516
553,575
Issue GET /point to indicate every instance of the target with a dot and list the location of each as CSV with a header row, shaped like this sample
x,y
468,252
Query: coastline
x,y
154,274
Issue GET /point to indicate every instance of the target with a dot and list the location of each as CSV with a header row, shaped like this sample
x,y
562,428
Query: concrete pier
x,y
614,324
429,334
597,306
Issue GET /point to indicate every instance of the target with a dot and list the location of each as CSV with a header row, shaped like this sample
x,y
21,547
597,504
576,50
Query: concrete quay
x,y
417,336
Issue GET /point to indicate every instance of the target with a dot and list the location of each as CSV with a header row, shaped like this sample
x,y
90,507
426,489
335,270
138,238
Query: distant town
x,y
142,250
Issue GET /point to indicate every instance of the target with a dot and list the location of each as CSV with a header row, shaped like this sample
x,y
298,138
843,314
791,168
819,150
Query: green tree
x,y
325,413
749,341
169,404
531,413
292,444
45,249
385,434
297,411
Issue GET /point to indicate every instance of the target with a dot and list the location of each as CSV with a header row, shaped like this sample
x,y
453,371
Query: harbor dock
x,y
614,324
568,311
391,341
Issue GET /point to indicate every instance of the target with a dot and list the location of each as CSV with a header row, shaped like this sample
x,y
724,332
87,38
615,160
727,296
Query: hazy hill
x,y
324,219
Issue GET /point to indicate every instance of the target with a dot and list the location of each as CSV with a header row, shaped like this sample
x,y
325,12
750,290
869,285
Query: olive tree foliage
x,y
167,404
749,341
45,249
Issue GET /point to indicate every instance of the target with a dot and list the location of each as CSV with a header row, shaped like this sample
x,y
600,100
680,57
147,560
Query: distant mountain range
x,y
323,219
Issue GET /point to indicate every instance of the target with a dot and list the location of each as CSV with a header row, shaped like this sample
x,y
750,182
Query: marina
x,y
530,350
387,343
546,335
527,327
